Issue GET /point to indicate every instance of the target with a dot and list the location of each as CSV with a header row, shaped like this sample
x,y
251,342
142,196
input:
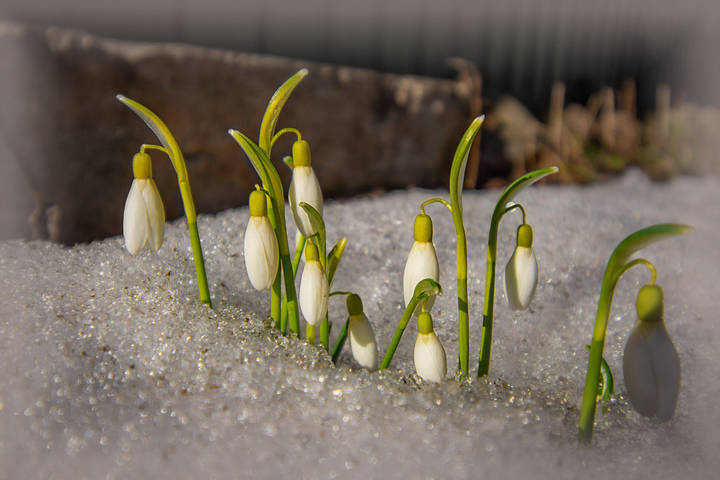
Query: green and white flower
x,y
521,273
362,337
314,287
422,260
144,215
304,187
429,354
261,247
651,365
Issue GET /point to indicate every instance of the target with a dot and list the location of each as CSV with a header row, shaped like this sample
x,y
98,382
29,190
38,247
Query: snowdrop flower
x,y
521,273
304,187
313,287
429,355
261,246
651,365
362,338
144,216
422,261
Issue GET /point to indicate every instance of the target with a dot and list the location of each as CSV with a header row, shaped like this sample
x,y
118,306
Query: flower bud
x,y
261,247
314,287
144,215
304,187
521,273
651,365
362,337
422,261
429,354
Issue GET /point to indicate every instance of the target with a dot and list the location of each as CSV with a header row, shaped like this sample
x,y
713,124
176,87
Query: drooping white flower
x,y
304,187
651,365
314,288
422,260
144,215
362,337
261,248
521,273
429,354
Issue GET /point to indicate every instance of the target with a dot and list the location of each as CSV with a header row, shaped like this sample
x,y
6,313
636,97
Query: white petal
x,y
422,263
304,187
155,214
651,368
135,218
261,253
430,360
313,293
521,277
362,342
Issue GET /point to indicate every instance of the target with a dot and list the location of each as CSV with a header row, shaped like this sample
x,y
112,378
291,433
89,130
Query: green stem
x,y
589,402
435,200
500,210
296,261
171,147
310,333
616,267
282,132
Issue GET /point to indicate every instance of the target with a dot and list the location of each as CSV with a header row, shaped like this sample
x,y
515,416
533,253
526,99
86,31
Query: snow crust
x,y
112,368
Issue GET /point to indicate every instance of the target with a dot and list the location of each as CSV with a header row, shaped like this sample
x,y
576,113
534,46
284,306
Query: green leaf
x,y
334,257
423,289
340,342
457,170
426,288
319,226
606,385
264,168
638,240
275,106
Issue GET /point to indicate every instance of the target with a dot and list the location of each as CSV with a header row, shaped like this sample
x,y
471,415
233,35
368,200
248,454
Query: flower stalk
x,y
500,210
172,149
617,265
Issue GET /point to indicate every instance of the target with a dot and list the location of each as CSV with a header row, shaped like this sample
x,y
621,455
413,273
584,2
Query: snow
x,y
112,368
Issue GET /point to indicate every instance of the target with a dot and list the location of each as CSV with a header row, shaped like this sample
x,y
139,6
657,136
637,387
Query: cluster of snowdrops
x,y
651,365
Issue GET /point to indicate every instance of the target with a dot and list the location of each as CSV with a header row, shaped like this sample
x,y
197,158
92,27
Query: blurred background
x,y
595,87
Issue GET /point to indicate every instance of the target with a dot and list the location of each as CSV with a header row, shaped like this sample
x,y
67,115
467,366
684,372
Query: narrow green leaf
x,y
274,107
340,342
334,257
457,170
641,239
319,226
423,289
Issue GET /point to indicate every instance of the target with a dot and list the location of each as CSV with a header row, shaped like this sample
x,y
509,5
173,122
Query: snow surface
x,y
112,368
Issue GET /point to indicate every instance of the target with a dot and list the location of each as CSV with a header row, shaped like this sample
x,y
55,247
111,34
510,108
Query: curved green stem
x,y
514,206
640,261
435,200
423,290
617,265
489,304
172,149
282,132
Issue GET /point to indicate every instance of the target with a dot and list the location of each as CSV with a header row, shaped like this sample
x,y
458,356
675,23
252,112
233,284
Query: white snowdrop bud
x,y
651,365
429,355
144,215
422,261
261,248
521,273
304,187
313,287
362,337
